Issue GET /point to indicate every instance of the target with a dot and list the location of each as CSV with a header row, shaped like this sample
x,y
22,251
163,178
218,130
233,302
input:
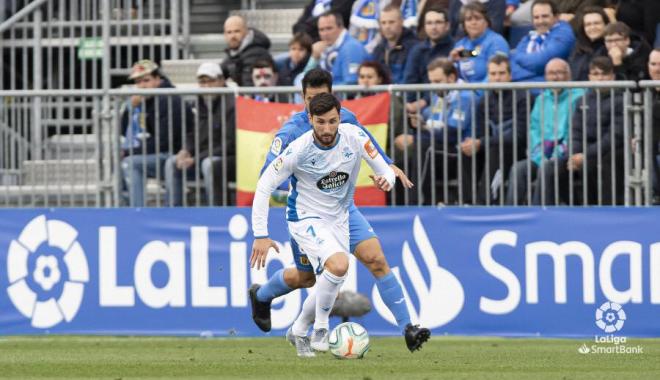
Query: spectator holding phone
x,y
472,52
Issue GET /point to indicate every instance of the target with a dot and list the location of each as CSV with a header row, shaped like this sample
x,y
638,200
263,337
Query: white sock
x,y
306,316
327,288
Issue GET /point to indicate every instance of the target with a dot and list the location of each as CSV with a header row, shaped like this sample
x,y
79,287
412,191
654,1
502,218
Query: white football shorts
x,y
320,239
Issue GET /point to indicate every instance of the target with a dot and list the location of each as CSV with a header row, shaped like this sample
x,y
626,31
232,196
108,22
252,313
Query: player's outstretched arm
x,y
260,248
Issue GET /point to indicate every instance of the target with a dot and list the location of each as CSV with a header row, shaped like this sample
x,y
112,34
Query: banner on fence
x,y
473,271
258,122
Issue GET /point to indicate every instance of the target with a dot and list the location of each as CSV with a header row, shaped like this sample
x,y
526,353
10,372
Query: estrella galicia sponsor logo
x,y
332,181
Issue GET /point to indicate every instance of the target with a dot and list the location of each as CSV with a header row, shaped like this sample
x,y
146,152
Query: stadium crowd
x,y
370,42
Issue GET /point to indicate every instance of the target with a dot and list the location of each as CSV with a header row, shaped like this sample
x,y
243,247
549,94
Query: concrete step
x,y
74,146
64,172
212,45
271,21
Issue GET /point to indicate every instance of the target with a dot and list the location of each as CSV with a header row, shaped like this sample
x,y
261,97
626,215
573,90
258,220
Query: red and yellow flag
x,y
257,123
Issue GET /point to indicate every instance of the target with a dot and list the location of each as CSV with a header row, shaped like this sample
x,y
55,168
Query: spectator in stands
x,y
245,46
424,6
338,52
264,74
447,120
548,133
437,44
372,73
308,21
395,44
551,38
502,116
601,133
629,52
147,124
300,50
495,10
203,143
589,43
472,52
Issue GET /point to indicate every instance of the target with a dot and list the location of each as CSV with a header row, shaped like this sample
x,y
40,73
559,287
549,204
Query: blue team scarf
x,y
320,6
409,12
132,132
364,20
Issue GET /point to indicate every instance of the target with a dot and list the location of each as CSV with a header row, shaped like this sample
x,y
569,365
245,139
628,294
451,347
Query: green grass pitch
x,y
273,358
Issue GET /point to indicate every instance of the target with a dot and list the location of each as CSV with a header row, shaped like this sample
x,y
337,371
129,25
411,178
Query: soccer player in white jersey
x,y
324,164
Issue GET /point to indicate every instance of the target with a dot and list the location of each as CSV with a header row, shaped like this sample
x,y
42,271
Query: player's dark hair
x,y
323,103
316,78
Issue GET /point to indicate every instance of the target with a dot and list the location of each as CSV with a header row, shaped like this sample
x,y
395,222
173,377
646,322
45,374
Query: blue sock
x,y
274,288
391,293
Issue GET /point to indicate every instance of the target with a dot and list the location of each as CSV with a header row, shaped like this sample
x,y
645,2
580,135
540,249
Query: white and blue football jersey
x,y
322,178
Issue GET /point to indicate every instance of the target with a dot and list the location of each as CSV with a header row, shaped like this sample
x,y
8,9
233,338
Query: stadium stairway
x,y
70,174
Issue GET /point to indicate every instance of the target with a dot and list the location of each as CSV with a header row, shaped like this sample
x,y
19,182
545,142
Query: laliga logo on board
x,y
610,317
441,300
46,311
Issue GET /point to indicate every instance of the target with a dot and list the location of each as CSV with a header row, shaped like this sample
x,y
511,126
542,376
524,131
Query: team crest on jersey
x,y
371,149
278,164
332,181
304,260
276,147
347,152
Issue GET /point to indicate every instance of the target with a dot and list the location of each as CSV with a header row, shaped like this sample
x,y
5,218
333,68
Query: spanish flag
x,y
257,123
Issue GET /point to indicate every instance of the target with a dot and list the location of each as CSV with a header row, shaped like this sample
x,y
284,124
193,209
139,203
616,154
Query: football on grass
x,y
349,340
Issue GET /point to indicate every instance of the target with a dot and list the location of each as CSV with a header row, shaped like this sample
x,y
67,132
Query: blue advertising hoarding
x,y
469,271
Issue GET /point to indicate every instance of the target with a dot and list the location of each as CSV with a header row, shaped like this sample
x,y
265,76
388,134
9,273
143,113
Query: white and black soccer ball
x,y
349,340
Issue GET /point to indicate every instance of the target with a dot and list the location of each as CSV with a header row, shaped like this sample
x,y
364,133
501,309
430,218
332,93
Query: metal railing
x,y
102,168
59,44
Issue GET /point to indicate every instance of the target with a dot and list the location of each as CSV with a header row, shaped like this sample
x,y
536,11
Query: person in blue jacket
x,y
472,52
548,134
395,44
363,241
551,38
338,52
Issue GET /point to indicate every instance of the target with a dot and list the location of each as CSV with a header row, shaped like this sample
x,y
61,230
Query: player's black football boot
x,y
260,310
416,336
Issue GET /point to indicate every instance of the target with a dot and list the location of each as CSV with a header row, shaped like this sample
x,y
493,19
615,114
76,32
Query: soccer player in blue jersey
x,y
364,243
